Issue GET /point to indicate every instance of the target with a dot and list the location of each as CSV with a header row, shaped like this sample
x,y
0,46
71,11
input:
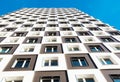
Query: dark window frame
x,y
86,33
66,29
12,46
3,25
103,47
86,22
41,74
94,29
90,63
12,61
110,37
108,73
19,22
114,33
101,25
77,25
27,25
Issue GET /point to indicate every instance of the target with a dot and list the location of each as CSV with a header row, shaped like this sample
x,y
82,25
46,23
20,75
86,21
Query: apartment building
x,y
57,45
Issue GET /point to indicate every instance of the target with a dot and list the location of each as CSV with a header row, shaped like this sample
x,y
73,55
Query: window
x,y
12,79
84,33
19,34
43,18
27,25
51,39
86,80
51,33
94,29
8,48
9,29
61,18
38,29
115,78
52,25
80,18
21,63
54,20
19,22
71,19
74,48
28,49
86,22
32,40
63,22
70,40
15,81
93,20
90,39
52,16
32,20
96,48
11,20
3,25
106,61
18,16
50,79
102,25
11,40
24,18
77,25
5,18
117,47
51,62
87,16
107,39
78,61
41,22
35,16
66,29
50,49
5,49
114,33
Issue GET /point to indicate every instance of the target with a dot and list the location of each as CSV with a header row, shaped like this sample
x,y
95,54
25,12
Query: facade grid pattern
x,y
57,45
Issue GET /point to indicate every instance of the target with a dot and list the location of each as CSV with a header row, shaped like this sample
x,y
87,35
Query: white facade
x,y
57,45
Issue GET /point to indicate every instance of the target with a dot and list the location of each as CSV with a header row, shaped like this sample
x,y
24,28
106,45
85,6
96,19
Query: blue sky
x,y
107,11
